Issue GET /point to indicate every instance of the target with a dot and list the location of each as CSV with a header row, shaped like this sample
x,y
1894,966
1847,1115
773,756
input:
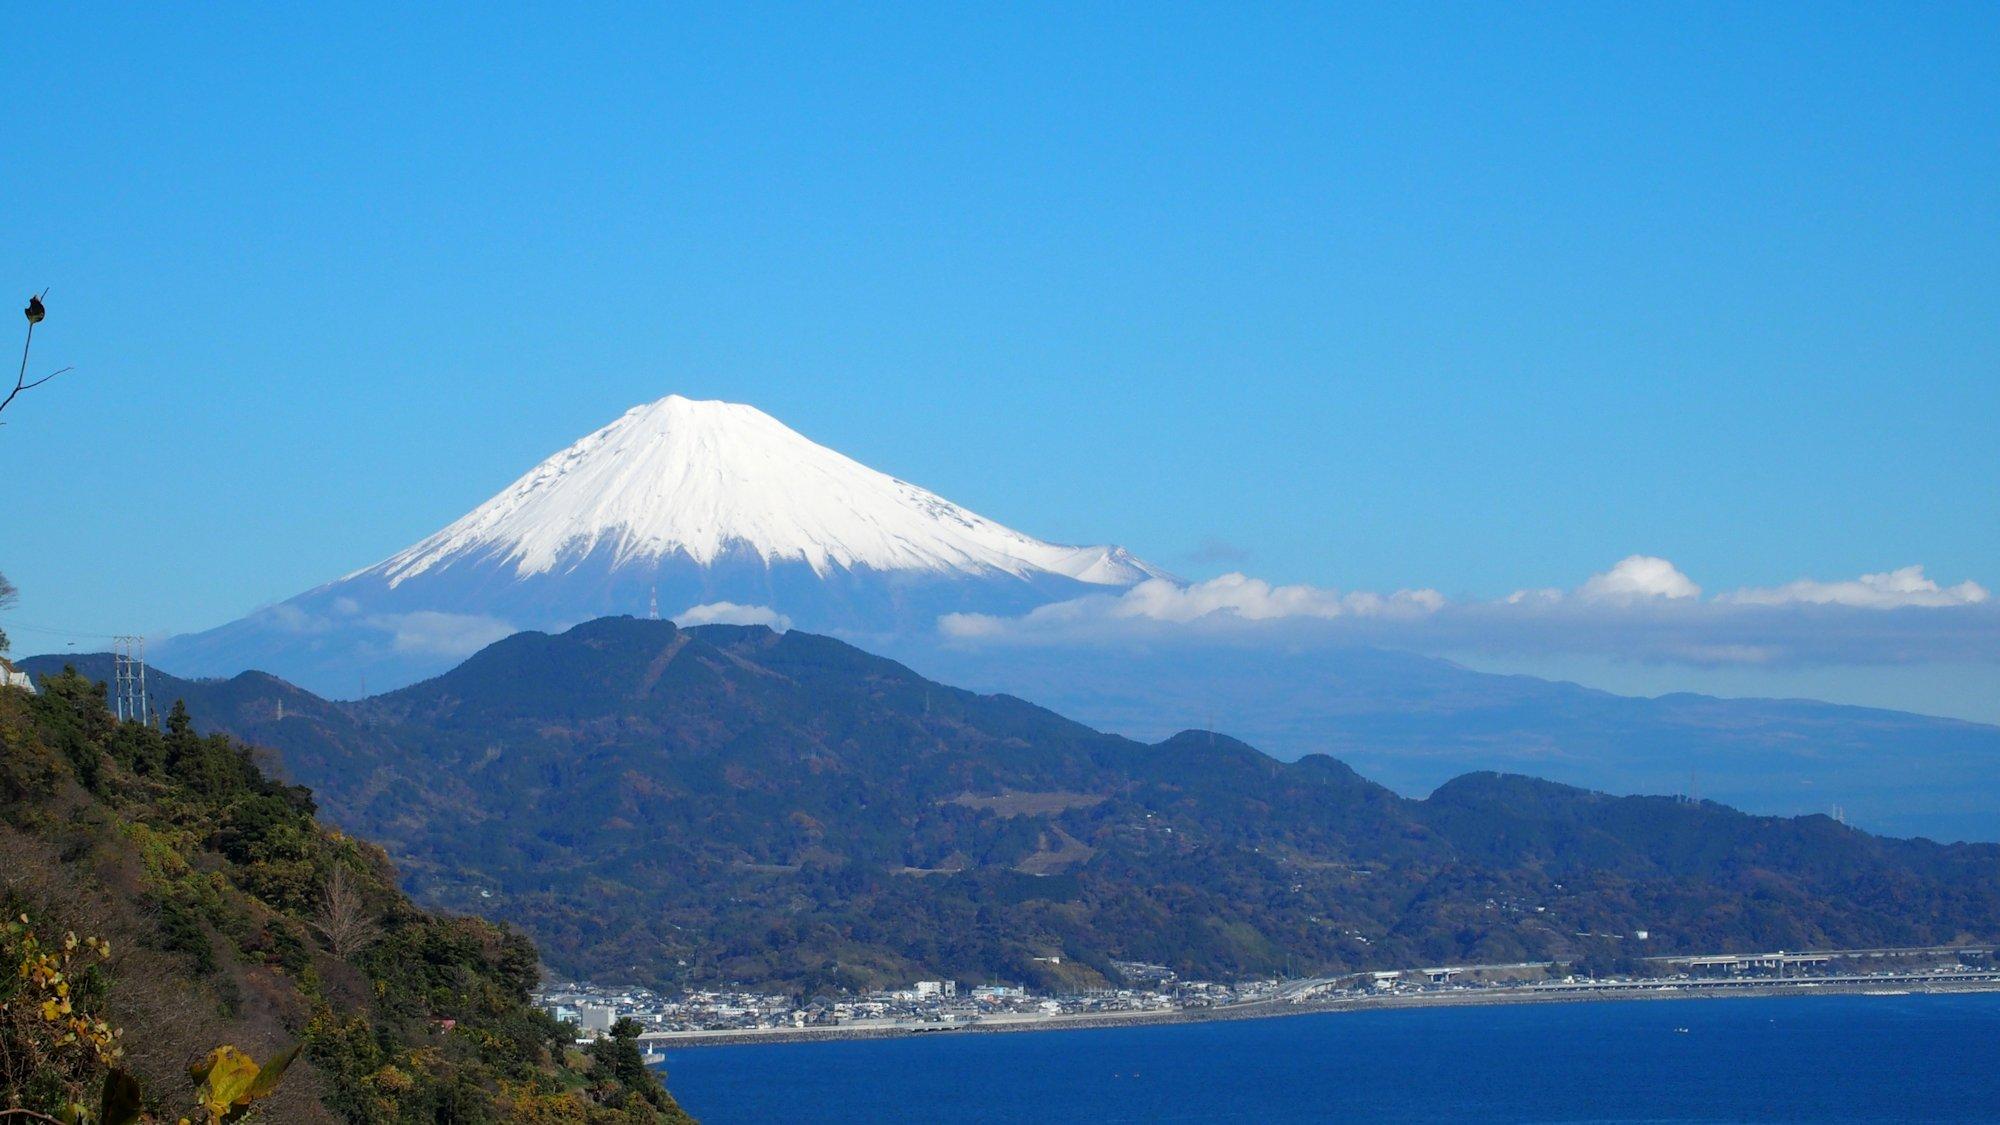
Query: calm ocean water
x,y
1830,1058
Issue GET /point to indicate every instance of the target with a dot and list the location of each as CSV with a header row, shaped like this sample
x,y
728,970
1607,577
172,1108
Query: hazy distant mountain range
x,y
727,803
1414,722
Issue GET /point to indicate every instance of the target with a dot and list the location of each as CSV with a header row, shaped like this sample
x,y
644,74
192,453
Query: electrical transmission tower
x,y
129,663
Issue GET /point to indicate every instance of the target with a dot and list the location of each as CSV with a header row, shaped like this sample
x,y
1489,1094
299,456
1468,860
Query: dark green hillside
x,y
730,804
234,917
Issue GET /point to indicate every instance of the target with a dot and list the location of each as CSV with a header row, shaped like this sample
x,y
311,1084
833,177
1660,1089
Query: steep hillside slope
x,y
727,803
234,918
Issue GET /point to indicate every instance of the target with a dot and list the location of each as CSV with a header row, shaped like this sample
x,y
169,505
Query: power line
x,y
19,628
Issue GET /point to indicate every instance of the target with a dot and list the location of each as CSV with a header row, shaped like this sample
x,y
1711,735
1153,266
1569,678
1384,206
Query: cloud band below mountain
x,y
1642,608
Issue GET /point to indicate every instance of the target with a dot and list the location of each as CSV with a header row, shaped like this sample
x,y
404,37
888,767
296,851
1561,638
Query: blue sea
x,y
1806,1058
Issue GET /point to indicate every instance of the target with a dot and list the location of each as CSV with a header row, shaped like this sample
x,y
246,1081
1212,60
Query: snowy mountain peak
x,y
707,480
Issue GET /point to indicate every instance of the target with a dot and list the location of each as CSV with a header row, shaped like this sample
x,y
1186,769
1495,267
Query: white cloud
x,y
729,613
1218,601
1401,603
1252,599
431,633
1636,577
425,632
1895,589
292,619
976,626
1643,608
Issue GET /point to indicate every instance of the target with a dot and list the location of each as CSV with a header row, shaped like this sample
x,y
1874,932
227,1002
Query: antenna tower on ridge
x,y
653,609
129,670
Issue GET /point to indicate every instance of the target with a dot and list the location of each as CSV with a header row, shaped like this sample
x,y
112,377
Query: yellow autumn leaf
x,y
225,1079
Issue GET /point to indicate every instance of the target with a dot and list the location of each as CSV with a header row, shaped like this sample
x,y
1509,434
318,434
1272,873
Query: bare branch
x,y
21,383
344,919
46,378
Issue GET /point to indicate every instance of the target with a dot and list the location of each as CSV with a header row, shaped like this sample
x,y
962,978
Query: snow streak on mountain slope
x,y
707,504
702,478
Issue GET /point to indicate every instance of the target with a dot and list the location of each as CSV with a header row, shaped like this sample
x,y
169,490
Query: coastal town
x,y
925,1004
1154,993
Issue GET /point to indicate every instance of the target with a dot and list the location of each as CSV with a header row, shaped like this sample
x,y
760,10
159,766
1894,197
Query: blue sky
x,y
1466,298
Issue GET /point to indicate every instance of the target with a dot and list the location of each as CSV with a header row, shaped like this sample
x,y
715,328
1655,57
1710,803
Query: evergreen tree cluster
x,y
234,916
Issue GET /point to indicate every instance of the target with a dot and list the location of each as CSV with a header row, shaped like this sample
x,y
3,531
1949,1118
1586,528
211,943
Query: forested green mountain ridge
x,y
680,806
165,895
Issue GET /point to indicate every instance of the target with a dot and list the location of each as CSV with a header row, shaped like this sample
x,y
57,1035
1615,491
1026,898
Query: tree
x,y
621,1068
8,596
344,919
34,312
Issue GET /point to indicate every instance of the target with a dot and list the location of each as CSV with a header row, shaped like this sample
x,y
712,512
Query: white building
x,y
596,1017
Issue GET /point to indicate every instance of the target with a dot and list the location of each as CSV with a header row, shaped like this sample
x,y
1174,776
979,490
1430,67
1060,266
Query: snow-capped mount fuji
x,y
715,510
708,480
